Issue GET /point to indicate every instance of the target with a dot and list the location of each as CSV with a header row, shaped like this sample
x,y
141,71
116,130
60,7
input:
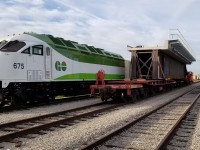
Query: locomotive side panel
x,y
66,69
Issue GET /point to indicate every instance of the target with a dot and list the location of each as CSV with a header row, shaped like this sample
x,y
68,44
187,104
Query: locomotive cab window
x,y
37,50
13,46
26,51
47,51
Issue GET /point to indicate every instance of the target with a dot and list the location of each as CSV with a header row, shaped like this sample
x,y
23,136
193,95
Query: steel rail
x,y
54,102
167,137
13,123
46,126
115,132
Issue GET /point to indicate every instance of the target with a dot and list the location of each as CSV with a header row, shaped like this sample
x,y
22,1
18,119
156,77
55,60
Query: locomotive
x,y
37,67
189,77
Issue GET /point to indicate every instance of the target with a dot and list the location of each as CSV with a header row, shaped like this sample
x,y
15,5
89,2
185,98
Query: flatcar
x,y
152,69
37,67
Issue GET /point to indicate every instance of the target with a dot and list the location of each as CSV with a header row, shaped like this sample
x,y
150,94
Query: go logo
x,y
61,66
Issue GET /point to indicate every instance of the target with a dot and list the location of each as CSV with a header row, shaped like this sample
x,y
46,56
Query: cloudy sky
x,y
107,24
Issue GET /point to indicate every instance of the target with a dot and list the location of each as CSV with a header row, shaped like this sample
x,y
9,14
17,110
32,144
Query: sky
x,y
106,24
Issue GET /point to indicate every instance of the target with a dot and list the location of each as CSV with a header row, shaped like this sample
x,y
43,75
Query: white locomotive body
x,y
38,66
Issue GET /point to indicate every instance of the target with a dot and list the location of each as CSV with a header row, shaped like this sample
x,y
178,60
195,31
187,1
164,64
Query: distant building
x,y
196,76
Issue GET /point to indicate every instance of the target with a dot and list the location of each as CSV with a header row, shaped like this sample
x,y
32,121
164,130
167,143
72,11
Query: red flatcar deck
x,y
126,87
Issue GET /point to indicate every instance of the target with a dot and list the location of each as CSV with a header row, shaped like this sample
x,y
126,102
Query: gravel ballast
x,y
195,141
42,110
83,132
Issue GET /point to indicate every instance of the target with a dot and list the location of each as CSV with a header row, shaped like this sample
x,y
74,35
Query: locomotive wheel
x,y
15,101
50,96
2,101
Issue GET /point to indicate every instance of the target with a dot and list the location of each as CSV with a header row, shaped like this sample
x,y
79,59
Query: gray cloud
x,y
106,24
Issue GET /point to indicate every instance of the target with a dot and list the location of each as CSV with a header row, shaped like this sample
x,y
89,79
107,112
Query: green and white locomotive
x,y
37,67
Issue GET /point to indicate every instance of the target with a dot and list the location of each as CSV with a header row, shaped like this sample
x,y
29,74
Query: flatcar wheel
x,y
133,98
115,98
146,92
103,95
152,90
134,95
167,87
170,87
103,99
123,97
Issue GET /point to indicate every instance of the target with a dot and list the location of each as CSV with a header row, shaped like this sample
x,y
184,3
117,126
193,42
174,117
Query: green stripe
x,y
89,57
88,76
78,55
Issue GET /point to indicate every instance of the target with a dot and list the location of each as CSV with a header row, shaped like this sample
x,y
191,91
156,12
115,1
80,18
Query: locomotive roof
x,y
173,48
74,46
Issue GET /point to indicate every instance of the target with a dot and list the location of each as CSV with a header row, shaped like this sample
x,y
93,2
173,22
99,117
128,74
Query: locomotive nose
x,y
5,65
1,66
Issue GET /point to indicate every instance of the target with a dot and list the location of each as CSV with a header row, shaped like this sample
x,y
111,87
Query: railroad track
x,y
10,132
180,137
152,130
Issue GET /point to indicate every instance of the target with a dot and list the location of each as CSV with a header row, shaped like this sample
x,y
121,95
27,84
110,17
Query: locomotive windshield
x,y
13,46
